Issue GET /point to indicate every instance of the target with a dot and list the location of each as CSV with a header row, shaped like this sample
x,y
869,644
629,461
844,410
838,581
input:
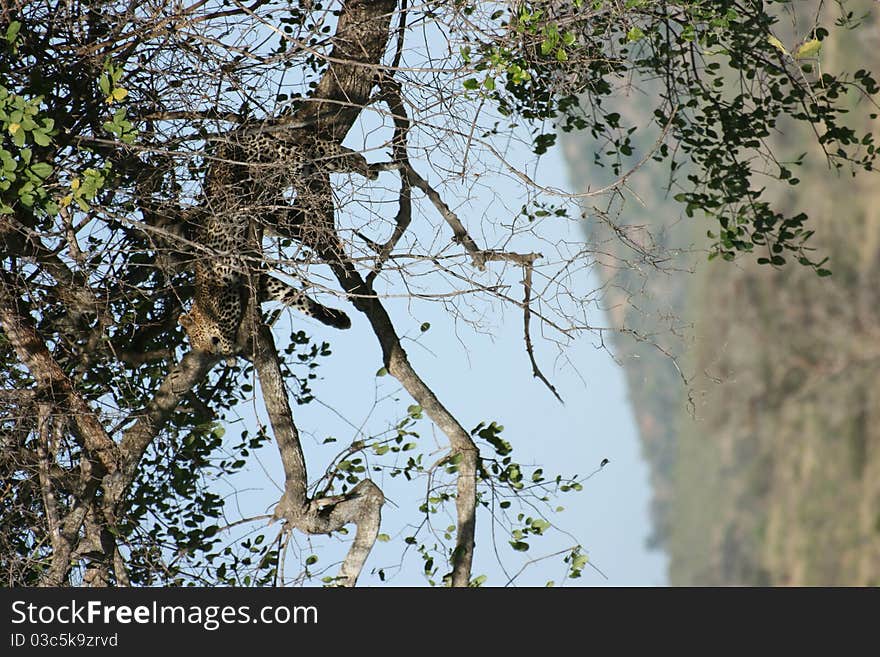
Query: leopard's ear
x,y
185,320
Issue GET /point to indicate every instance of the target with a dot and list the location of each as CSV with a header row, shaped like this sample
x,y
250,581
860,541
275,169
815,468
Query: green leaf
x,y
42,169
540,525
12,31
41,138
776,43
519,546
472,84
808,49
635,34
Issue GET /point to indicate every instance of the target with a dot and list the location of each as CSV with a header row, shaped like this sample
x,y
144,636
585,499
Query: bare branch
x,y
391,95
359,43
460,235
32,351
527,315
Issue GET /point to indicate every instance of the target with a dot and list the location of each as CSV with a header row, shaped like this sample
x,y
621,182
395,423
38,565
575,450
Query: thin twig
x,y
596,192
527,315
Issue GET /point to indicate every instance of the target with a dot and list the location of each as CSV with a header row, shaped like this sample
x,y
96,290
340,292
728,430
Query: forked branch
x,y
361,506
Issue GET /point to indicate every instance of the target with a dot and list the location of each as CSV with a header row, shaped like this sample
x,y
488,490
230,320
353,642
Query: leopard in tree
x,y
249,173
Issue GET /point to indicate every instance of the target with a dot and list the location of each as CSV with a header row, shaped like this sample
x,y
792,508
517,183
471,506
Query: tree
x,y
135,133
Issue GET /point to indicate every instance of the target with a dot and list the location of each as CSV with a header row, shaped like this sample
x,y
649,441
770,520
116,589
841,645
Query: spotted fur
x,y
249,173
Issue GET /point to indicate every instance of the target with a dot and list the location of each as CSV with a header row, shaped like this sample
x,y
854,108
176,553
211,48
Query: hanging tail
x,y
272,289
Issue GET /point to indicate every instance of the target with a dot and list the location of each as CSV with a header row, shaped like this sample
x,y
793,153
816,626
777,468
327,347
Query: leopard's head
x,y
205,335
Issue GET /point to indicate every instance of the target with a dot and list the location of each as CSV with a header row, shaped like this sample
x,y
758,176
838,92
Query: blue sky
x,y
482,376
473,356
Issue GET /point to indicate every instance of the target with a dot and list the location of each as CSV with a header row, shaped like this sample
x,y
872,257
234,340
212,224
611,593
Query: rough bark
x,y
361,506
105,464
51,379
358,46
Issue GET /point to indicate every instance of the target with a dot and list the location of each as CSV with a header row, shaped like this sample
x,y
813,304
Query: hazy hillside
x,y
774,477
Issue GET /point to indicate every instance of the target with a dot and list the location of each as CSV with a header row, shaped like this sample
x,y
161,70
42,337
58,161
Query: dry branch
x,y
361,506
358,46
51,379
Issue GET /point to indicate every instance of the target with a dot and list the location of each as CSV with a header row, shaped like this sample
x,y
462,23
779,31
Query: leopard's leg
x,y
273,289
346,160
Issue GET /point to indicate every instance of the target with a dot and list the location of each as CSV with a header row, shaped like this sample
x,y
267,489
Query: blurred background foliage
x,y
766,464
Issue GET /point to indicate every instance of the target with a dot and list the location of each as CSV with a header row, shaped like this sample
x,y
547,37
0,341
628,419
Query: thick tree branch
x,y
327,245
31,350
361,506
182,378
62,559
294,503
97,546
47,489
398,365
358,46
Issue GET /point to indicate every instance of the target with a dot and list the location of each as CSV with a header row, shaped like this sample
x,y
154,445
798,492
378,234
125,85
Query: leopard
x,y
251,168
247,177
214,320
